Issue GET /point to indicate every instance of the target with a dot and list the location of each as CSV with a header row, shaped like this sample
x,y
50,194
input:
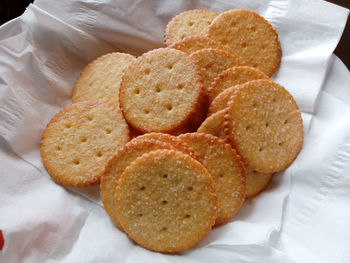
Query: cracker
x,y
212,62
193,44
190,23
249,37
256,182
79,140
166,201
214,125
100,79
232,77
117,165
161,91
226,168
264,124
221,101
174,141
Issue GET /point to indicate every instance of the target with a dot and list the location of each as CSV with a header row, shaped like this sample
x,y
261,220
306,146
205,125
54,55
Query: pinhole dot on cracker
x,y
79,140
256,182
249,37
190,23
264,124
211,62
226,168
232,77
166,201
161,91
100,79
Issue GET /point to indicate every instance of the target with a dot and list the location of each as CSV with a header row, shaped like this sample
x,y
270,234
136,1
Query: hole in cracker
x,y
280,143
83,139
247,128
99,154
266,124
170,66
183,36
208,22
286,121
224,42
157,88
68,125
165,176
58,148
169,107
147,71
89,118
190,188
254,172
164,202
146,111
253,28
187,216
260,149
254,104
137,91
142,188
139,215
190,23
220,175
180,86
244,44
108,131
76,162
164,228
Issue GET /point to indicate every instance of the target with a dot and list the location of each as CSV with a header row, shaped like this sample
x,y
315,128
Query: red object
x,y
2,241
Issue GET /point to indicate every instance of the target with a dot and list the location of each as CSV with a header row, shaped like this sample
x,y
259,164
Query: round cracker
x,y
221,101
249,37
214,125
190,23
232,77
161,91
264,124
79,140
226,168
172,140
116,166
192,44
100,79
256,182
212,62
166,201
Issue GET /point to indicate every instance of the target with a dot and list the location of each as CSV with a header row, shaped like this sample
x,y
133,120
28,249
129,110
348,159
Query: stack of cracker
x,y
180,136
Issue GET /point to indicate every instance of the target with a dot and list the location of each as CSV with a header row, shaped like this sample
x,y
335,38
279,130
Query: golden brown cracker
x,y
190,23
226,168
100,79
192,44
256,182
166,201
214,125
264,124
79,140
221,101
161,91
117,165
232,77
249,37
212,62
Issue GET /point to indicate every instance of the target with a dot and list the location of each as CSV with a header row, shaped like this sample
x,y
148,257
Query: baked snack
x,y
264,124
190,23
214,125
249,37
193,44
256,182
212,62
161,91
79,140
116,166
166,201
100,79
232,77
226,168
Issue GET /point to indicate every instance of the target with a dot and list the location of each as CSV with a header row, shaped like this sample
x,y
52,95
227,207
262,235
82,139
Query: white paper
x,y
42,53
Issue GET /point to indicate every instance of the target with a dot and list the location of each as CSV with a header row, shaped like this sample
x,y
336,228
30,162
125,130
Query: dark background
x,y
13,8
